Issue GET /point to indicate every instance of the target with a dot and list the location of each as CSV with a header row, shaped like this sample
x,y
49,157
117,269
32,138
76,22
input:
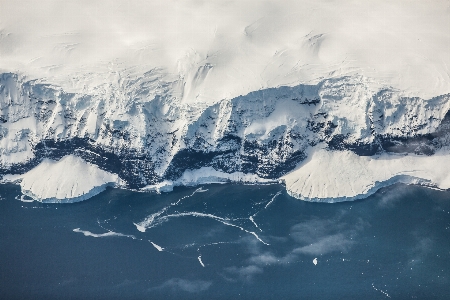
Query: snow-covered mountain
x,y
148,137
267,96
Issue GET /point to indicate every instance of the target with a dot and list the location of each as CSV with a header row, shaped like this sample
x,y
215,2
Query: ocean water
x,y
226,242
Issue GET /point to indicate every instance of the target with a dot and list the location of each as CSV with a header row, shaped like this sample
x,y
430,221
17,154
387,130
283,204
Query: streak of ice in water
x,y
106,234
199,190
159,248
253,221
148,222
381,291
200,261
273,198
224,221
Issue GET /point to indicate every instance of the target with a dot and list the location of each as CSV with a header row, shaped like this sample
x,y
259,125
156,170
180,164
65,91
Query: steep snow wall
x,y
152,139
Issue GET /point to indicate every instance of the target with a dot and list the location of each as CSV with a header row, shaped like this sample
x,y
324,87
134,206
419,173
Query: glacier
x,y
313,94
155,142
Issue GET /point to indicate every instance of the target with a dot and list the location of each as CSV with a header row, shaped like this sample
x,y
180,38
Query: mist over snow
x,y
153,94
223,49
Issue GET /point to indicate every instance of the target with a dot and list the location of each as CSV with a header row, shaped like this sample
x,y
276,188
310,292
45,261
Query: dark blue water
x,y
395,244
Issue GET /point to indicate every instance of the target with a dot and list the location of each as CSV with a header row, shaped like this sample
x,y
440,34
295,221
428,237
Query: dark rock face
x,y
420,144
129,167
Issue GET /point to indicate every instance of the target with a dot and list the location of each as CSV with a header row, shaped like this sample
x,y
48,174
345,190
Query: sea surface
x,y
226,242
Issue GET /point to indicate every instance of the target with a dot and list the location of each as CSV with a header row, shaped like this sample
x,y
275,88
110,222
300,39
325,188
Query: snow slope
x,y
69,180
222,49
333,176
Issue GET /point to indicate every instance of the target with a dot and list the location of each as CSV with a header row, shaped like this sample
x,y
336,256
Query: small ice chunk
x,y
139,227
159,248
200,261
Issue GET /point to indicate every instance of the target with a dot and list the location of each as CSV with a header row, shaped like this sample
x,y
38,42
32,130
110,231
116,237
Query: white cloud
x,y
245,273
191,286
327,244
312,237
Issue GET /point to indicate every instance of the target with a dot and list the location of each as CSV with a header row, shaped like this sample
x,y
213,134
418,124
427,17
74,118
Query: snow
x,y
221,49
325,176
173,73
206,175
285,112
70,179
164,186
333,176
11,178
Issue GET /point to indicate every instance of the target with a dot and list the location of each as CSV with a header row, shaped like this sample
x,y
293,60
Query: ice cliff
x,y
146,136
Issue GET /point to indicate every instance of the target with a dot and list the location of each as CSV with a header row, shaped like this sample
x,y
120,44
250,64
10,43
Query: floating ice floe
x,y
159,248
